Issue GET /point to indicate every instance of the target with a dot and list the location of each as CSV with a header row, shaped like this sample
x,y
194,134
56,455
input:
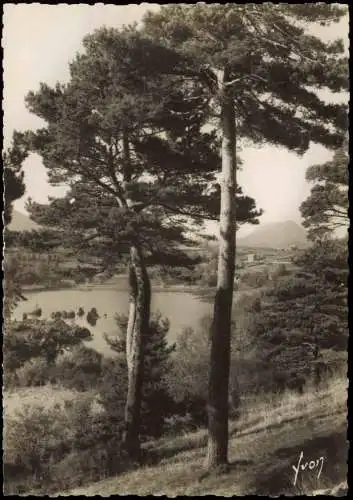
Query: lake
x,y
182,308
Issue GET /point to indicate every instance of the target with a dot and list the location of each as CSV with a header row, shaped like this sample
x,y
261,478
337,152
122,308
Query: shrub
x,y
96,463
255,279
248,303
188,378
34,372
279,270
33,338
60,447
303,316
32,440
92,317
112,392
80,369
80,312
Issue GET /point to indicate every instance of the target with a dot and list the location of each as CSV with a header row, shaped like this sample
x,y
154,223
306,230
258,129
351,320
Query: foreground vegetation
x,y
276,386
264,444
289,343
73,396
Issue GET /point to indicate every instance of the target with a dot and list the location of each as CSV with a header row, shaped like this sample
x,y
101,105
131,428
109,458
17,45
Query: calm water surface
x,y
183,309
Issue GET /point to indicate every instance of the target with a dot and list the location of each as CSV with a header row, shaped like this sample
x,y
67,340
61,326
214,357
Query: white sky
x,y
40,40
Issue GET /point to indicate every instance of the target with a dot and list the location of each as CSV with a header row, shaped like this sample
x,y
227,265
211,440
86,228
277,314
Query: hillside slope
x,y
265,444
21,222
276,235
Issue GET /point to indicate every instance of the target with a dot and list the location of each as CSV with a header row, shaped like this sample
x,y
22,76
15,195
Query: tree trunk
x,y
138,325
217,453
137,331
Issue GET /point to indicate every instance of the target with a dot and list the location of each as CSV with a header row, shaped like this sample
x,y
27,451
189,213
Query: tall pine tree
x,y
260,67
326,209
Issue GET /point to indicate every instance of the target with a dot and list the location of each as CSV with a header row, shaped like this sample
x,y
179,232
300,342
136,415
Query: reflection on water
x,y
181,308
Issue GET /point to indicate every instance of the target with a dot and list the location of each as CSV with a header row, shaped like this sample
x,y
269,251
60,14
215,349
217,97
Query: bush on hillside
x,y
59,448
304,316
188,378
33,373
80,369
32,339
255,279
112,392
247,303
279,270
33,440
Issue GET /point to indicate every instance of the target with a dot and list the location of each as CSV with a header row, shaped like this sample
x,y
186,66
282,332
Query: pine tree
x,y
131,147
259,68
14,187
326,209
156,404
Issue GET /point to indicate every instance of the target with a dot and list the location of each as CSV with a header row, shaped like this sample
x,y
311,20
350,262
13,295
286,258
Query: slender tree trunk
x,y
137,331
217,453
137,328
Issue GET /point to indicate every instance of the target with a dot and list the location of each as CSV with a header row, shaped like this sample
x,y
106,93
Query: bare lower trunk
x,y
138,325
217,453
137,331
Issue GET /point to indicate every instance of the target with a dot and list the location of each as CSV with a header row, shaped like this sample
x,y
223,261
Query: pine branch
x,y
178,211
86,173
236,80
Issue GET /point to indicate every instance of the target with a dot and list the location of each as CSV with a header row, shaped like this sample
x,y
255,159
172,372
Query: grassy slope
x,y
265,443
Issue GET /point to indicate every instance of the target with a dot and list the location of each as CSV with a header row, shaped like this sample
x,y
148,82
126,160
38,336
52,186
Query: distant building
x,y
251,258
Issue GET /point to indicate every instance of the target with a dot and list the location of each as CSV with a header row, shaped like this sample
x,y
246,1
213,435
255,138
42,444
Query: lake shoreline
x,y
157,287
204,293
183,306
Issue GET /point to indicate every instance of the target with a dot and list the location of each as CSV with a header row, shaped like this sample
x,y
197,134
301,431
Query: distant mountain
x,y
276,235
21,222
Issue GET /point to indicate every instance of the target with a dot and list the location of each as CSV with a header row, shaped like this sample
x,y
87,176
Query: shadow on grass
x,y
167,451
165,454
239,463
276,476
254,429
